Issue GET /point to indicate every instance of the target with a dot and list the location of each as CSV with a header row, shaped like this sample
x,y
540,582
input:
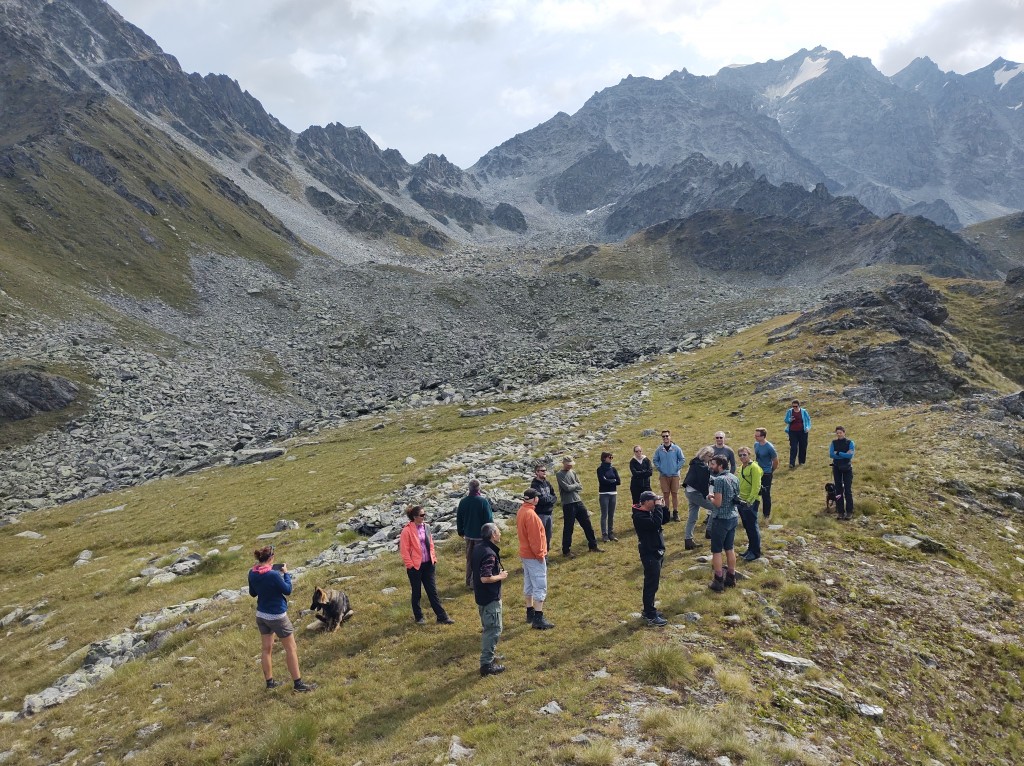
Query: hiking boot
x,y
272,684
675,517
540,622
730,580
421,620
613,538
491,669
529,615
717,584
446,620
691,544
657,621
595,549
302,686
750,556
568,555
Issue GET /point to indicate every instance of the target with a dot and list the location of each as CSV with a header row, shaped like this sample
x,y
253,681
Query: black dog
x,y
334,605
830,496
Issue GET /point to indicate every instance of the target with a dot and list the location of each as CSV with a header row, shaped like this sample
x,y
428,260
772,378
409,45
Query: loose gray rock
x,y
457,752
29,535
285,524
552,708
869,711
797,663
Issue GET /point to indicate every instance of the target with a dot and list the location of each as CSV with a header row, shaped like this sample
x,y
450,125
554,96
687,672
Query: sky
x,y
459,77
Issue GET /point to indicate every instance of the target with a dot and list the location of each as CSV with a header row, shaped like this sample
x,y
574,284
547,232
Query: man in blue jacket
x,y
798,425
669,459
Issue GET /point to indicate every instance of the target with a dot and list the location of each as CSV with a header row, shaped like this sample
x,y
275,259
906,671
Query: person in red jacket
x,y
533,550
417,548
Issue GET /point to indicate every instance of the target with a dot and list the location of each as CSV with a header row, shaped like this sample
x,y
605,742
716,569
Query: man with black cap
x,y
647,520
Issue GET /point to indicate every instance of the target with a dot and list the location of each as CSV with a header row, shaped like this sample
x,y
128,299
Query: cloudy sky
x,y
458,77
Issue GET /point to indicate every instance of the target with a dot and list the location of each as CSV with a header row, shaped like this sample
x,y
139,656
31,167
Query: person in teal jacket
x,y
798,425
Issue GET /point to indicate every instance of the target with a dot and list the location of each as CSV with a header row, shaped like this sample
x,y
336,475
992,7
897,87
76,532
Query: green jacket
x,y
750,481
473,512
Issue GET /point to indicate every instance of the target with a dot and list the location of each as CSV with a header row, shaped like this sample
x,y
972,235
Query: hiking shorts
x,y
279,626
723,533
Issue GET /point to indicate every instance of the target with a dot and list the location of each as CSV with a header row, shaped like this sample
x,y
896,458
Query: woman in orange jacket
x,y
417,548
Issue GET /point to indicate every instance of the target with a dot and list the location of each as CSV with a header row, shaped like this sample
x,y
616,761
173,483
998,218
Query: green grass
x,y
389,687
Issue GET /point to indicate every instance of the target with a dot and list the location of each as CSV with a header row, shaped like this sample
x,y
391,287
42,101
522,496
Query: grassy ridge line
x,y
388,684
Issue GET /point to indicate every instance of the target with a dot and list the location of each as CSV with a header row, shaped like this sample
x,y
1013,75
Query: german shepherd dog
x,y
830,496
334,607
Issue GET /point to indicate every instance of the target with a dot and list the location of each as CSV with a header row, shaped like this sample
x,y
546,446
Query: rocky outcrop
x,y
508,217
25,392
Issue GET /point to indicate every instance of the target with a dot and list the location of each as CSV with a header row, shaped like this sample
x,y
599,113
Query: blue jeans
x,y
490,618
696,501
607,514
748,515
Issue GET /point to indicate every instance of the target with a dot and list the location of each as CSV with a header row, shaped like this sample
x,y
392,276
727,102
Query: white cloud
x,y
313,64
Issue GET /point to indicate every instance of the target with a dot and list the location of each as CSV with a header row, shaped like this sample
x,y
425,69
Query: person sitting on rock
x,y
269,584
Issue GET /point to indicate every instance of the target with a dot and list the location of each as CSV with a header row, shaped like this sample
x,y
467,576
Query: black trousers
x,y
843,478
797,447
652,579
637,485
766,494
573,512
424,576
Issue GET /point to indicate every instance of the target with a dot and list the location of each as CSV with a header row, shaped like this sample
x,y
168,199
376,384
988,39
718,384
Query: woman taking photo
x,y
697,484
417,548
270,583
641,470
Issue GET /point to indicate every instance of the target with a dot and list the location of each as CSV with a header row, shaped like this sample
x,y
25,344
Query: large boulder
x,y
26,391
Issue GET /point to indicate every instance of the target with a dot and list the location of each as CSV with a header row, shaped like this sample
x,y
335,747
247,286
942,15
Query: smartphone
x,y
278,567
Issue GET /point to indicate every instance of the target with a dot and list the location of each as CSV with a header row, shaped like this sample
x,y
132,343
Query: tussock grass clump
x,y
798,600
601,753
704,661
699,731
734,683
222,562
291,744
664,665
744,638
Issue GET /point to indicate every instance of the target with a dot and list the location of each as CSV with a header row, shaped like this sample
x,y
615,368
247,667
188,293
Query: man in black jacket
x,y
487,578
545,498
648,517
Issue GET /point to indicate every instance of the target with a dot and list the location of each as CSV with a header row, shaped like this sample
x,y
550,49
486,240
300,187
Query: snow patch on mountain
x,y
1007,73
809,70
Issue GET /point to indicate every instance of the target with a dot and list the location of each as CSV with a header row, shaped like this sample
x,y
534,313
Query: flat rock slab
x,y
789,661
29,535
869,711
903,541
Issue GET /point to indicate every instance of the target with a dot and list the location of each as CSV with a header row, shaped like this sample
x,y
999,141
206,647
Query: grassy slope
x,y
901,629
86,236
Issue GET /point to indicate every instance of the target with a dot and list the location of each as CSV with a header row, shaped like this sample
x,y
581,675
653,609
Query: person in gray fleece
x,y
573,509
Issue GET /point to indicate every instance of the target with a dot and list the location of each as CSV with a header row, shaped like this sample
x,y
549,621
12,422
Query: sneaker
x,y
540,622
302,686
491,669
595,549
730,579
613,538
657,621
272,684
446,620
748,556
421,620
604,538
568,555
717,584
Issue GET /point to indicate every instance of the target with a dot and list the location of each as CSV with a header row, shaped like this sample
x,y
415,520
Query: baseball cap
x,y
645,496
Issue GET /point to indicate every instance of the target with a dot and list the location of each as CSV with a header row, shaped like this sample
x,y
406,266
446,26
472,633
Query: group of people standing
x,y
731,486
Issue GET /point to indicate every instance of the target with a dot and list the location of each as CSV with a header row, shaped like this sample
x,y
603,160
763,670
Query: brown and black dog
x,y
334,606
